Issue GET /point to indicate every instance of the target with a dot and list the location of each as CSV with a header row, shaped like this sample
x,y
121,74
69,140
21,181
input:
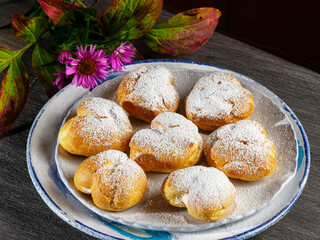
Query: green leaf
x,y
184,32
13,94
44,68
77,16
79,29
30,29
6,56
128,19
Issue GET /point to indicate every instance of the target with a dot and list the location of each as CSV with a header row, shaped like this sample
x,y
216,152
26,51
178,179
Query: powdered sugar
x,y
170,134
116,173
245,143
217,95
152,88
94,130
108,115
110,157
120,177
202,186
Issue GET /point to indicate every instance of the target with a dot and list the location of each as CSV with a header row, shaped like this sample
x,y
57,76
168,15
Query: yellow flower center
x,y
87,67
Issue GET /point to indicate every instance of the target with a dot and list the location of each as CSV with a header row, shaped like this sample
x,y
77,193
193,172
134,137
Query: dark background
x,y
289,29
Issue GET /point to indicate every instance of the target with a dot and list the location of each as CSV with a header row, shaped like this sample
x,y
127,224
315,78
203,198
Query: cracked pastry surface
x,y
114,181
173,142
218,99
147,92
100,125
206,192
241,150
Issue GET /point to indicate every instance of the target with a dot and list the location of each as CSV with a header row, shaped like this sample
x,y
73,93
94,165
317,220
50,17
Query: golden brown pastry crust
x,y
241,150
173,142
206,192
218,99
147,92
114,181
100,125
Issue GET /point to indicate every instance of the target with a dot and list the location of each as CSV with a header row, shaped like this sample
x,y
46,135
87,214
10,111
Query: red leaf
x,y
184,32
19,23
13,94
29,28
56,8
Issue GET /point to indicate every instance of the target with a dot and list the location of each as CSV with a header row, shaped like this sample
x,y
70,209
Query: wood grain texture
x,y
25,216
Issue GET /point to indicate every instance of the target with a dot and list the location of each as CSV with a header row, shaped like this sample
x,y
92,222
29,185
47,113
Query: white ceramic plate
x,y
153,212
270,111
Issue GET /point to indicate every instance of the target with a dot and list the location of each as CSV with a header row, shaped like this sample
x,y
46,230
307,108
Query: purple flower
x,y
62,80
90,67
65,57
122,54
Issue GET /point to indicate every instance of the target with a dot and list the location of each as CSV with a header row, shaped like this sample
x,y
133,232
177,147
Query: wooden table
x,y
23,214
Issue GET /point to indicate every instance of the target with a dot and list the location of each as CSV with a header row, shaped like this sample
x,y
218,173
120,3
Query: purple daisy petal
x,y
65,57
92,48
75,79
87,69
71,70
122,54
80,81
61,80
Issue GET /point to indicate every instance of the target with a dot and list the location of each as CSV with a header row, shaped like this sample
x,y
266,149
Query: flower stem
x,y
80,3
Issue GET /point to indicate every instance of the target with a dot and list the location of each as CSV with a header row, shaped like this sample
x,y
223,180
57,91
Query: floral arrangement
x,y
91,66
100,43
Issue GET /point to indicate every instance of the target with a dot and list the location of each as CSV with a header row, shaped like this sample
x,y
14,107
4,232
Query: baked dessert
x,y
241,150
100,125
218,99
114,181
206,192
147,92
173,142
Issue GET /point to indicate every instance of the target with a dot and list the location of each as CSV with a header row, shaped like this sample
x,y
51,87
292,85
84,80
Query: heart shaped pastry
x,y
100,125
218,99
206,192
241,150
147,92
173,142
114,181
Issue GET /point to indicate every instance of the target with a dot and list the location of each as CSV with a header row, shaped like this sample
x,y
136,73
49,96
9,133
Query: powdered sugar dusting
x,y
110,157
170,134
108,116
117,172
217,96
153,88
120,177
247,144
203,186
94,130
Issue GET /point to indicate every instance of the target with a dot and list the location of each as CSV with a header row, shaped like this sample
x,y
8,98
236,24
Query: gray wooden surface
x,y
23,214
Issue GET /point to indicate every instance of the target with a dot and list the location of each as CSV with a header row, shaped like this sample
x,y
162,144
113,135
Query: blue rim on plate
x,y
95,233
